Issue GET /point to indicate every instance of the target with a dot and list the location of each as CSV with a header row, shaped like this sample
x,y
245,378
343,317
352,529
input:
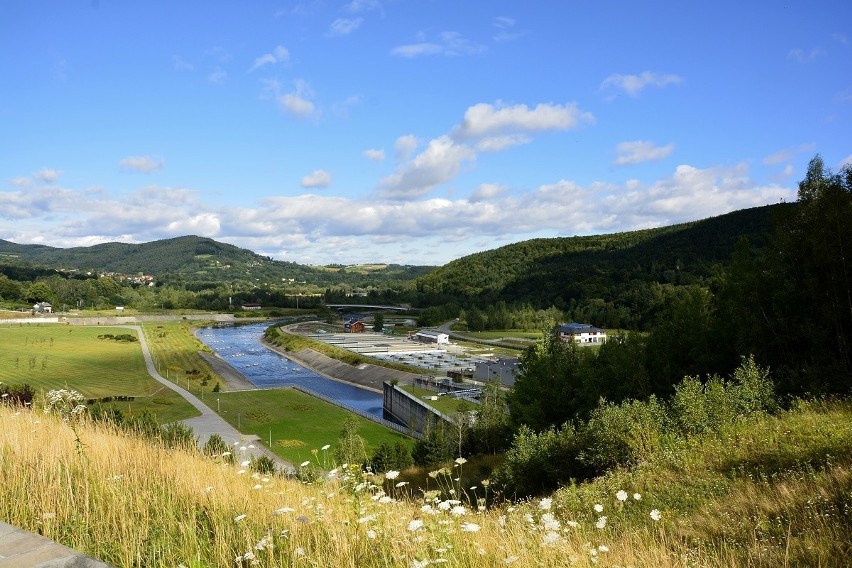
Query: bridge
x,y
372,307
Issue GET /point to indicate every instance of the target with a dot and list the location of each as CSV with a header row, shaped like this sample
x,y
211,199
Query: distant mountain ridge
x,y
190,258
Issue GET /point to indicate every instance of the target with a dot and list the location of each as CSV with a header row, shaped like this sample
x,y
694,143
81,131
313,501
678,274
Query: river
x,y
240,346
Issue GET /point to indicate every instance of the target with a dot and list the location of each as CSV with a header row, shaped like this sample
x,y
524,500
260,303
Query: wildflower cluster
x,y
67,403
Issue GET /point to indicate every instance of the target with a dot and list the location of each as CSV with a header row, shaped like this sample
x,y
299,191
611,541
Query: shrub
x,y
538,462
178,435
263,465
387,457
216,447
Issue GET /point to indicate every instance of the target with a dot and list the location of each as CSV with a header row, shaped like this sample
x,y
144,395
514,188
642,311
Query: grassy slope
x,y
770,492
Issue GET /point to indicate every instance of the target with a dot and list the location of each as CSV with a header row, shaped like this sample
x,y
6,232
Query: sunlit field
x,y
89,360
776,491
299,424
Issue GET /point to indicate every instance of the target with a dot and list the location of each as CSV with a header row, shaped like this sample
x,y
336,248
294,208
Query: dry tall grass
x,y
131,503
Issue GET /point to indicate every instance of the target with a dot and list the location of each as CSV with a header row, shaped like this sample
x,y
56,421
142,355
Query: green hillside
x,y
554,271
192,258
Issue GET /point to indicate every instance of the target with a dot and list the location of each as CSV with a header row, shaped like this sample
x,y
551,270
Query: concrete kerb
x,y
23,549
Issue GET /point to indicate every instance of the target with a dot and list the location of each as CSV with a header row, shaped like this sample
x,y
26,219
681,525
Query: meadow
x,y
50,356
299,424
771,491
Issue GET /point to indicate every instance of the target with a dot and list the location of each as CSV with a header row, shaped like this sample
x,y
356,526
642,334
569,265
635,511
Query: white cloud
x,y
297,102
639,151
144,164
377,229
440,162
487,191
344,26
448,43
634,84
278,55
847,161
47,175
317,179
404,146
374,154
484,119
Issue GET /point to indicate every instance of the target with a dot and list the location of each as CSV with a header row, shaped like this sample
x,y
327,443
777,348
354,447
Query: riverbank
x,y
365,375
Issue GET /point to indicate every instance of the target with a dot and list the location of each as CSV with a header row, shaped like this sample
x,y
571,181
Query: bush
x,y
539,462
624,434
387,457
178,435
216,447
263,465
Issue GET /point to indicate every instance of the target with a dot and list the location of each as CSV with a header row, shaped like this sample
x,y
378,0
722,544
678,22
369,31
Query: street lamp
x,y
217,404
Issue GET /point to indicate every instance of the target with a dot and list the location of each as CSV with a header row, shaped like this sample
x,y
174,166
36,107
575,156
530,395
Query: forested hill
x,y
189,258
545,272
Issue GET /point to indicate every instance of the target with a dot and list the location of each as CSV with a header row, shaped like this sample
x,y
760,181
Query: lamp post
x,y
217,404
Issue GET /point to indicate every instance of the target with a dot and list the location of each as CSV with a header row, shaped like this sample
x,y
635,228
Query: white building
x,y
582,333
431,336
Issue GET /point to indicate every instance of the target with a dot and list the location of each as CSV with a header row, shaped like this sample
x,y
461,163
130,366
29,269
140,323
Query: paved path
x,y
23,549
209,422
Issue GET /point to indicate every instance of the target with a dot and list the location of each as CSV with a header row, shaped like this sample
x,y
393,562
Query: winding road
x,y
209,422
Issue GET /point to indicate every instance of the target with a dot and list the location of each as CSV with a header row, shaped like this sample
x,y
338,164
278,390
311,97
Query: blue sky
x,y
412,132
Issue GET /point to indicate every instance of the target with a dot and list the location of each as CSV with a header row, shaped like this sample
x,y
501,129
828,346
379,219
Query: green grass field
x,y
446,404
300,423
49,356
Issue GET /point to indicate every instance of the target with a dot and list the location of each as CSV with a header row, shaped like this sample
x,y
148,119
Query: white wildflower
x,y
598,508
621,495
637,496
656,515
393,474
239,518
470,527
544,504
601,522
415,524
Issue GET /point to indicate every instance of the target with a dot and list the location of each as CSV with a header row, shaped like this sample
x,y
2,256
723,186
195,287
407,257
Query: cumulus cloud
x,y
440,162
374,154
144,164
635,84
447,43
278,55
640,151
487,191
47,175
405,146
484,128
417,231
297,102
484,119
316,179
181,64
344,26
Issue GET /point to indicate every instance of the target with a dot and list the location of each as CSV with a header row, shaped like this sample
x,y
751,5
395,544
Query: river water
x,y
240,346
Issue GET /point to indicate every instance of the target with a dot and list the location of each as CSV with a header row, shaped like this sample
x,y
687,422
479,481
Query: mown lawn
x,y
51,356
299,423
446,404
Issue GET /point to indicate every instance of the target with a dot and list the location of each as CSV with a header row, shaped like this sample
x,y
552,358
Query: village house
x,y
581,333
354,325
